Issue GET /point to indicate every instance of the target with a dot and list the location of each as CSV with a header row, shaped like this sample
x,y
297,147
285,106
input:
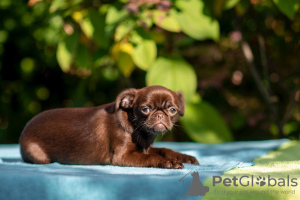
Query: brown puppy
x,y
119,133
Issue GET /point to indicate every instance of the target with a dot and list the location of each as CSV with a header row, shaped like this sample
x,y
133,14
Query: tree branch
x,y
247,52
250,61
263,57
264,92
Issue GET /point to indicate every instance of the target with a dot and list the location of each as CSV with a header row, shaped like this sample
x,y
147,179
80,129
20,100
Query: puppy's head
x,y
155,109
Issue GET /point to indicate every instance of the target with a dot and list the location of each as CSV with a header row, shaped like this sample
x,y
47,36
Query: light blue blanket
x,y
19,180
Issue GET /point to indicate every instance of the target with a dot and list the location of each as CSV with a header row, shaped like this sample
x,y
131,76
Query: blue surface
x,y
19,180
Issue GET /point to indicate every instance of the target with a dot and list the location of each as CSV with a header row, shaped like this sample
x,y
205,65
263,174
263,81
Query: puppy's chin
x,y
158,128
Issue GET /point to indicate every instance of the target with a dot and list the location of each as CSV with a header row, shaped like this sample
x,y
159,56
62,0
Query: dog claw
x,y
171,164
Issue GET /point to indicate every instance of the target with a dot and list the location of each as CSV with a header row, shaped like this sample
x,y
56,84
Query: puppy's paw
x,y
170,164
187,159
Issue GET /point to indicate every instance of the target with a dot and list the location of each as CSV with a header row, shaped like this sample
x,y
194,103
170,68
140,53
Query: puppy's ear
x,y
125,99
181,103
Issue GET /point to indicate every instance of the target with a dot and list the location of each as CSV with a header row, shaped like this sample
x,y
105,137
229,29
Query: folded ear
x,y
126,98
181,103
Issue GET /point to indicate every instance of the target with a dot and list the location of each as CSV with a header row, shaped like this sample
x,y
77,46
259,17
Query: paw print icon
x,y
260,181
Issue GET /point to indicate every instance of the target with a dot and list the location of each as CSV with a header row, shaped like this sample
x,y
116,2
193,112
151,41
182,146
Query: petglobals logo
x,y
239,185
246,181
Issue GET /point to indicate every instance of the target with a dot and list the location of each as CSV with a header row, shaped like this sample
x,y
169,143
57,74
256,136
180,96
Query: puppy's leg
x,y
170,154
145,160
33,153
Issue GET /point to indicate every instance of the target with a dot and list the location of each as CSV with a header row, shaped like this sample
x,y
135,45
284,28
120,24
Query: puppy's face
x,y
155,109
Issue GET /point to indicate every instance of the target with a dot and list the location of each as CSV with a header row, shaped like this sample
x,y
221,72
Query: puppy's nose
x,y
160,116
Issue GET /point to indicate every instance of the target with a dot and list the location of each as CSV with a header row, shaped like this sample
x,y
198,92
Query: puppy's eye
x,y
172,110
146,110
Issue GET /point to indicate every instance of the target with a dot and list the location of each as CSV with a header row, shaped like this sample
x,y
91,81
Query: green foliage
x,y
288,7
66,51
231,3
114,16
175,74
102,47
125,63
203,123
95,24
166,21
144,53
114,22
124,29
194,22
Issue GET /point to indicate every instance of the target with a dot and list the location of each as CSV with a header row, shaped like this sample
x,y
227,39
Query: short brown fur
x,y
120,133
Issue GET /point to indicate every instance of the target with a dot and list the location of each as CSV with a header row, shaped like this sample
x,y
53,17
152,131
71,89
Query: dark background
x,y
32,81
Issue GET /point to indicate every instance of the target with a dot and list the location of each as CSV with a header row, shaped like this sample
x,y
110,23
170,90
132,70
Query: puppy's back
x,y
54,133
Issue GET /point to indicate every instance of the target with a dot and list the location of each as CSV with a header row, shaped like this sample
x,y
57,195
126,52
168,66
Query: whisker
x,y
134,119
142,125
137,128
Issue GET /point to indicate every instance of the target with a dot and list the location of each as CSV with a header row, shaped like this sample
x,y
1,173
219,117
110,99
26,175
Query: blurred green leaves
x,y
231,3
124,59
83,58
194,22
144,53
203,123
66,51
111,25
3,36
131,40
288,7
114,16
158,45
57,5
124,29
42,93
175,74
166,21
27,65
92,24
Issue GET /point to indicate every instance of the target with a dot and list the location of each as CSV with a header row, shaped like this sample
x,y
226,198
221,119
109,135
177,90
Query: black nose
x,y
160,116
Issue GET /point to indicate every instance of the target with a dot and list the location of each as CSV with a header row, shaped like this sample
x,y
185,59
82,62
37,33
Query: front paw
x,y
170,164
187,159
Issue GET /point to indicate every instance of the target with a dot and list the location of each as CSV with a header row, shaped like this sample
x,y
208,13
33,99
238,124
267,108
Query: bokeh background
x,y
236,61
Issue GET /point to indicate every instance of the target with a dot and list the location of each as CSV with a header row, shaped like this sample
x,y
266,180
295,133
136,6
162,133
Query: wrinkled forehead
x,y
157,98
